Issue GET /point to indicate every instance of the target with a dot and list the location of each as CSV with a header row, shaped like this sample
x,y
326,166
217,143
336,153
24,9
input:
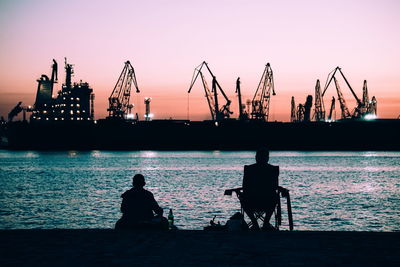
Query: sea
x,y
330,191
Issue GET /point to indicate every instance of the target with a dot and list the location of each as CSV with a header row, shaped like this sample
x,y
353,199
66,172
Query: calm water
x,y
330,190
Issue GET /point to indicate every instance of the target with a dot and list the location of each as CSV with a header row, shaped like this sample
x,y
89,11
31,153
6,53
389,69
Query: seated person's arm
x,y
156,208
124,205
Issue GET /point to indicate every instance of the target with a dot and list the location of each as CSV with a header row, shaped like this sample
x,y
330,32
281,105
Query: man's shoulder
x,y
255,166
273,167
127,193
147,192
251,166
136,192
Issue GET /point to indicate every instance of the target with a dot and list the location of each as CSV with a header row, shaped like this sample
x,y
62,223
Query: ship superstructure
x,y
74,102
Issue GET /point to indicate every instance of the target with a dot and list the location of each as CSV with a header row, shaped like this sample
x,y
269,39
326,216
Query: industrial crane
x,y
217,113
365,99
262,97
18,109
332,109
372,107
368,106
293,111
303,111
319,111
300,113
243,115
343,107
119,105
345,111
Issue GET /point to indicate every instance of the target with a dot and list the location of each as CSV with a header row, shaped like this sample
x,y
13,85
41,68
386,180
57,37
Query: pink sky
x,y
165,40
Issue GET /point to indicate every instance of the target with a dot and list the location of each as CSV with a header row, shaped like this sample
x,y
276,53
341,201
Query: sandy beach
x,y
197,248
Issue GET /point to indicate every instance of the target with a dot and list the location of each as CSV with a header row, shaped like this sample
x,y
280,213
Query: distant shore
x,y
107,247
377,135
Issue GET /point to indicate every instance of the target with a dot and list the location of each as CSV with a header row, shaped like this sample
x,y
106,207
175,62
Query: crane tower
x,y
363,108
262,97
319,111
242,107
293,110
217,113
119,105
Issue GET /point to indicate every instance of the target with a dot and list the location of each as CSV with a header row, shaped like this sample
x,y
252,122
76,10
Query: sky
x,y
165,40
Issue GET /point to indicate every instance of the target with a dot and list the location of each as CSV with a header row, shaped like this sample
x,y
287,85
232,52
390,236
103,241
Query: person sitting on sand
x,y
260,184
138,208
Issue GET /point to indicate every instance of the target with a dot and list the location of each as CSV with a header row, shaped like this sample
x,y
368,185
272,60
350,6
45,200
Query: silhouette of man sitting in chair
x,y
260,185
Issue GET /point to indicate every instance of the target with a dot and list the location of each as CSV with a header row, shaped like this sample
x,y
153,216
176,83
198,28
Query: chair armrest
x,y
238,191
284,192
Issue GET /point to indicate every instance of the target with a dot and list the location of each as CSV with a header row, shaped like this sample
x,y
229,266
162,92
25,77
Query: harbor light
x,y
369,117
130,116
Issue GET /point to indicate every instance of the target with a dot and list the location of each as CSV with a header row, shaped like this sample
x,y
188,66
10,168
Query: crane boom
x,y
262,97
210,99
329,79
212,96
351,89
343,106
359,110
119,99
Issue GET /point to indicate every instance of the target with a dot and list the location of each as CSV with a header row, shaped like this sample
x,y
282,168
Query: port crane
x,y
217,113
293,110
301,113
319,109
119,105
243,115
368,106
18,109
343,107
363,107
332,109
262,97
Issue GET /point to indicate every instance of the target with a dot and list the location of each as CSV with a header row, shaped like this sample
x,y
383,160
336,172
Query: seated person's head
x,y
138,180
262,155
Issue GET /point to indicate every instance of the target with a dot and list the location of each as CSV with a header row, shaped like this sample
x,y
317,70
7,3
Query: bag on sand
x,y
236,223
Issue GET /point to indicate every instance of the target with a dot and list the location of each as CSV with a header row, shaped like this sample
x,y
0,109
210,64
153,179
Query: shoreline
x,y
195,247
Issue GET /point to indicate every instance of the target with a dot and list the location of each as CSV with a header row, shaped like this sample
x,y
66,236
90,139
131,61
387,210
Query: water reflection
x,y
72,153
329,190
148,154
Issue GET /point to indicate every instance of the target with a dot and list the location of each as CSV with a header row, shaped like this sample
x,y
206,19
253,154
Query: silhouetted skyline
x,y
166,40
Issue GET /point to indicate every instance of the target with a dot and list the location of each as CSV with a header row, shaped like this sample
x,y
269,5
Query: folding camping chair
x,y
259,214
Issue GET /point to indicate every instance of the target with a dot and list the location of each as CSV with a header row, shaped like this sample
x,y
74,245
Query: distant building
x,y
74,102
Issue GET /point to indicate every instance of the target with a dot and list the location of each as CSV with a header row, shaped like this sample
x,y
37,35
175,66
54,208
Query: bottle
x,y
170,219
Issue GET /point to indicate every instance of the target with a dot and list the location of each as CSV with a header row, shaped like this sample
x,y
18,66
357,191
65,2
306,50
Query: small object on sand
x,y
236,223
215,226
170,219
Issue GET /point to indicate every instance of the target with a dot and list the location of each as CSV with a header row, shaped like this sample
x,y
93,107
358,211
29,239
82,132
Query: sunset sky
x,y
165,40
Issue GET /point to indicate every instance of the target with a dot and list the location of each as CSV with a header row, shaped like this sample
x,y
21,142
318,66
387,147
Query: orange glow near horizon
x,y
166,40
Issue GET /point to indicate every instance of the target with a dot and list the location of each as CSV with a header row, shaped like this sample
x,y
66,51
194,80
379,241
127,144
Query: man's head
x,y
262,155
138,180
